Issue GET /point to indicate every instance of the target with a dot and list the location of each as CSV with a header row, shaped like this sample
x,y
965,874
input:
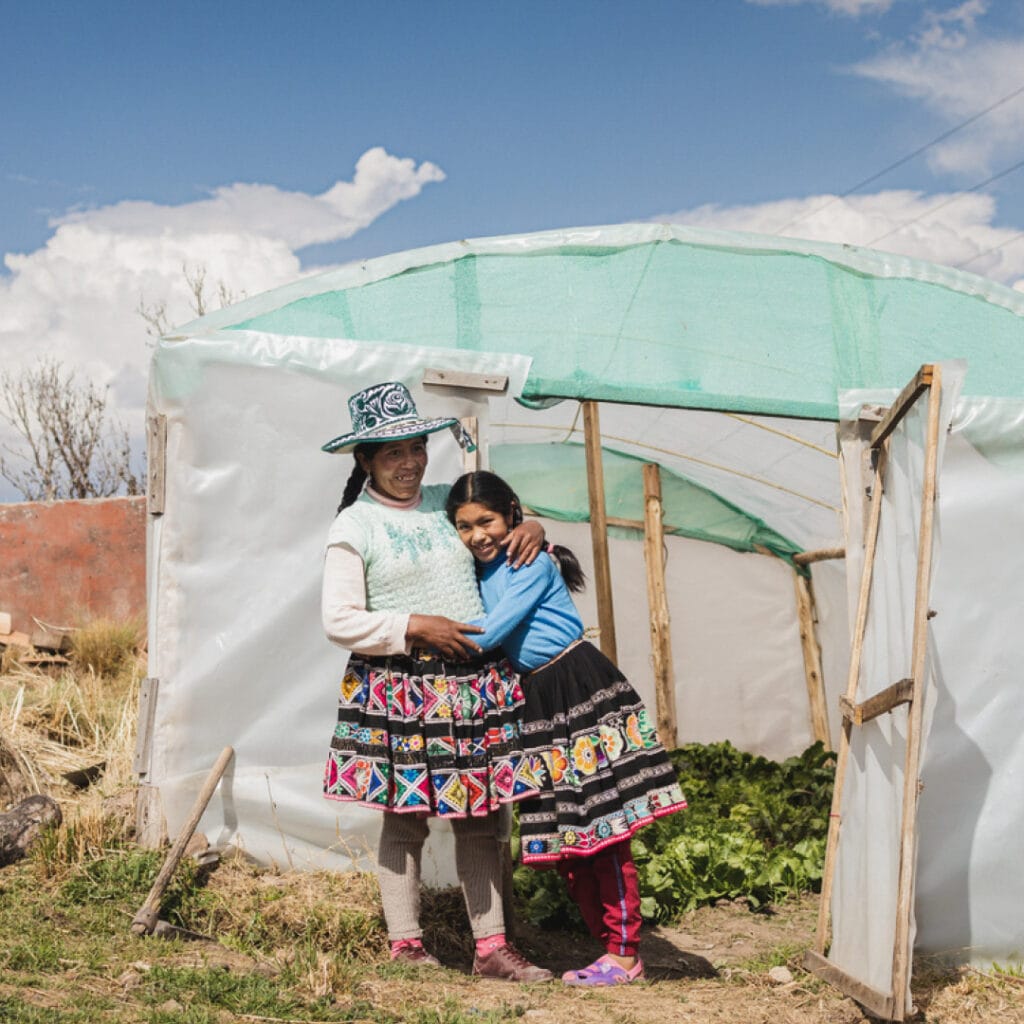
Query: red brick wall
x,y
65,562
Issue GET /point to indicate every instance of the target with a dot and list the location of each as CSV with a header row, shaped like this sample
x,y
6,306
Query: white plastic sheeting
x,y
968,891
235,562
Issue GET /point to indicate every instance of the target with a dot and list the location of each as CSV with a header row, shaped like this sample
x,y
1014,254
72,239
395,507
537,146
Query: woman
x,y
427,724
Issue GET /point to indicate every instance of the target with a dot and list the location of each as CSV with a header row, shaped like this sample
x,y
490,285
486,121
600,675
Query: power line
x,y
899,163
985,252
939,206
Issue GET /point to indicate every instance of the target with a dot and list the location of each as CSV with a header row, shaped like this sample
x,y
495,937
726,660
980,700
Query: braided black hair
x,y
357,478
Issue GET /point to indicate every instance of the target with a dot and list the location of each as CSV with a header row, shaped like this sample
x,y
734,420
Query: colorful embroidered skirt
x,y
604,771
418,734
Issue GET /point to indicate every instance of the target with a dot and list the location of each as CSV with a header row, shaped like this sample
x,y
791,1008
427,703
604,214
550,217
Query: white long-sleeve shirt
x,y
347,622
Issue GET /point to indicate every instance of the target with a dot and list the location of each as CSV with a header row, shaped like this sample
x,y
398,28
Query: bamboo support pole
x,y
599,530
821,555
919,651
657,603
811,650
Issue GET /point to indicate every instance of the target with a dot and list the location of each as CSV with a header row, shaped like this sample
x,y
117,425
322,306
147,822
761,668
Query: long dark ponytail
x,y
357,478
489,490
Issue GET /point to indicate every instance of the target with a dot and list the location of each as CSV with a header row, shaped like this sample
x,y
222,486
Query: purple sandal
x,y
604,971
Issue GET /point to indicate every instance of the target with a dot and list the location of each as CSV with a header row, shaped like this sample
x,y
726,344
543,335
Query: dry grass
x,y
69,732
107,648
326,929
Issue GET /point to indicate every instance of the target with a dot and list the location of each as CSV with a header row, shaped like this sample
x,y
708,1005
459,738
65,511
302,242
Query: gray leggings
x,y
477,864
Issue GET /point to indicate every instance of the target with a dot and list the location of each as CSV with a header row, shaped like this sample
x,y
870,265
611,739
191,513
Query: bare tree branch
x,y
69,447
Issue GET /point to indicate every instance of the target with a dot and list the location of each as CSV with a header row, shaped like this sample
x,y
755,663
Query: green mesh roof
x,y
664,315
552,481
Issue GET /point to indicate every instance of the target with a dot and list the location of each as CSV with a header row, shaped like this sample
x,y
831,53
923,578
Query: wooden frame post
x,y
902,955
888,1005
471,460
599,530
812,660
657,603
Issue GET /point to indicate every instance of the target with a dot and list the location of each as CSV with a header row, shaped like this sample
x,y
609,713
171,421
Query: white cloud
x,y
850,8
957,71
955,234
76,298
294,218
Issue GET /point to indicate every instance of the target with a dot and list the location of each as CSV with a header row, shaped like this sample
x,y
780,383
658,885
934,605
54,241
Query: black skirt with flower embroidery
x,y
591,741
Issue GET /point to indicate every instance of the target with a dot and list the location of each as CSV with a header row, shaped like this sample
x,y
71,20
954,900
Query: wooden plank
x,y
15,639
5,622
599,530
821,555
902,955
883,701
150,823
870,998
463,379
156,464
145,718
906,398
471,460
657,604
816,701
856,651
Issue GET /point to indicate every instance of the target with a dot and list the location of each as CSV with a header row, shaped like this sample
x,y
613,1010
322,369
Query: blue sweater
x,y
529,612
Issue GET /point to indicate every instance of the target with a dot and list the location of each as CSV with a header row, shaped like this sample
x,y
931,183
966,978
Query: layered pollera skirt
x,y
604,772
423,735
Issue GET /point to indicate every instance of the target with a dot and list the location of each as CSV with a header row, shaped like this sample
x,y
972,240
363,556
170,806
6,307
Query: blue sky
x,y
261,141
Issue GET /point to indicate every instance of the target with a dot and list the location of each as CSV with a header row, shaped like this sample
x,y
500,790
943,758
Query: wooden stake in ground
x,y
599,530
145,921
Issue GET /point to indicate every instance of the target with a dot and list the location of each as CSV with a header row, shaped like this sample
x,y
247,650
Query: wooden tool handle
x,y
145,920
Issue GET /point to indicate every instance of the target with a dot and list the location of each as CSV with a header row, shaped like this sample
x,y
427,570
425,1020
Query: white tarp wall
x,y
234,580
968,889
234,577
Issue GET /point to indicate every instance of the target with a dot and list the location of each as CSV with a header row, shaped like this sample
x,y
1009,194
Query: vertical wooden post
x,y
471,460
657,603
599,530
911,784
812,660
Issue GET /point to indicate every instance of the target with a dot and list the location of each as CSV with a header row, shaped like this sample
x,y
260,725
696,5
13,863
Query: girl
x,y
603,771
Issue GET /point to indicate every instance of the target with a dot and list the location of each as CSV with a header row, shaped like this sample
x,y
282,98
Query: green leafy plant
x,y
755,829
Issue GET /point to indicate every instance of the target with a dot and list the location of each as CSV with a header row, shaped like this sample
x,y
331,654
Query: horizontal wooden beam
x,y
464,379
880,1004
921,382
889,698
821,555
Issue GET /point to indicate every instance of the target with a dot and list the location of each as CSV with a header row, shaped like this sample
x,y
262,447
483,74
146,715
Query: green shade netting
x,y
551,480
672,321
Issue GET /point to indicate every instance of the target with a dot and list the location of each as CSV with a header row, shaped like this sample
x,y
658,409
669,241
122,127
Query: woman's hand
x,y
524,543
443,635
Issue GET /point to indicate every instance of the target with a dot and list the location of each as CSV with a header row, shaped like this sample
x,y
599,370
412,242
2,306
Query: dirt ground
x,y
713,967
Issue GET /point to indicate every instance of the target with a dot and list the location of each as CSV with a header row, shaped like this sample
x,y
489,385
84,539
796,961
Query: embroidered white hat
x,y
386,412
